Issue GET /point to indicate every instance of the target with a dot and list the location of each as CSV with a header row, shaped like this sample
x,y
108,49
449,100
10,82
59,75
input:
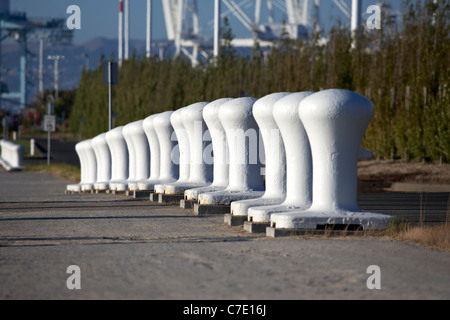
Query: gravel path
x,y
133,249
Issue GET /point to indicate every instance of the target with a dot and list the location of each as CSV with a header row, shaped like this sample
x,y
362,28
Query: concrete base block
x,y
166,198
204,209
141,194
279,232
187,204
256,227
233,220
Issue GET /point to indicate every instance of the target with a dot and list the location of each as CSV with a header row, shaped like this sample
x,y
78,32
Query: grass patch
x,y
61,170
432,236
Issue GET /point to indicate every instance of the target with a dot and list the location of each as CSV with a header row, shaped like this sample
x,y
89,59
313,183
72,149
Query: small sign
x,y
110,73
49,123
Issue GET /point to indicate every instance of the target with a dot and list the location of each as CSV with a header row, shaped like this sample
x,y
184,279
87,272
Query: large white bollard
x,y
169,156
119,159
275,158
298,159
183,150
126,132
335,121
245,179
154,154
11,155
219,145
77,186
141,154
200,172
88,167
103,158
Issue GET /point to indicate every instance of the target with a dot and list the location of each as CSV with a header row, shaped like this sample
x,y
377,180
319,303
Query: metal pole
x,y
120,52
110,93
41,66
356,20
127,28
216,27
149,28
48,146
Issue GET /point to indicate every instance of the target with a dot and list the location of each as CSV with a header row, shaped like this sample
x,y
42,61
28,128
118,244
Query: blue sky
x,y
99,18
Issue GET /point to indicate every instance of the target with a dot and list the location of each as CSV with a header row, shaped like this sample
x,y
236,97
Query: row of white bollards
x,y
11,157
285,161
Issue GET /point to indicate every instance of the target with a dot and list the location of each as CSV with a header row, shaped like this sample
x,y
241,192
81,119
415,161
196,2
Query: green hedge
x,y
405,74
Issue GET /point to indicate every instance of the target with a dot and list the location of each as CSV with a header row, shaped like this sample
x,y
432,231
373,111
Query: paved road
x,y
132,249
60,152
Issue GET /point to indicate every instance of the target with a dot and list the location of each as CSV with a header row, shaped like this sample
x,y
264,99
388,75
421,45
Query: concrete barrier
x,y
11,155
335,122
119,159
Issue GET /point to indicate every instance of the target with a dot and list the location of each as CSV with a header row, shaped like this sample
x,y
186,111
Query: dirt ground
x,y
380,175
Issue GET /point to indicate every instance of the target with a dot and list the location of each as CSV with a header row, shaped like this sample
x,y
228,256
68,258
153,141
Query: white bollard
x,y
200,172
335,121
11,155
119,159
182,150
245,179
77,186
298,159
154,154
88,167
32,147
169,156
219,145
103,157
126,132
141,154
91,163
275,158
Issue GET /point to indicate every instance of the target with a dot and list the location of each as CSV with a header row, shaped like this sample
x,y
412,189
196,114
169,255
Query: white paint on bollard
x,y
141,154
200,172
219,146
335,121
119,159
275,158
154,154
169,156
245,179
298,159
103,157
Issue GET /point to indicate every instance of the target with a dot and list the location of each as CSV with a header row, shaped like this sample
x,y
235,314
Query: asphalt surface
x,y
133,249
60,152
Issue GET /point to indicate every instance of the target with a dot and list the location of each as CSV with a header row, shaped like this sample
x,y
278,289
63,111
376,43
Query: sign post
x,y
110,78
49,125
